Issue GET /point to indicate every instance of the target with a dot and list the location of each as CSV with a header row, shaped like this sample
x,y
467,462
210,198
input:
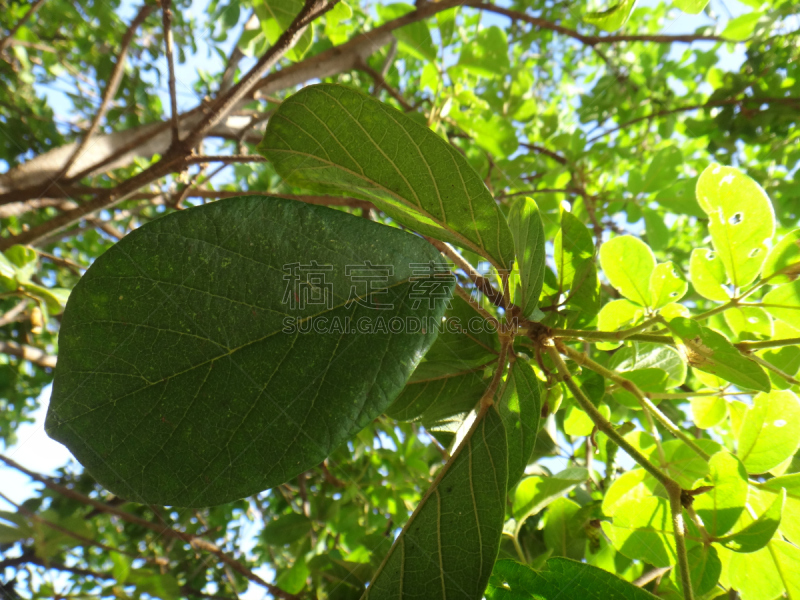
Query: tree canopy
x,y
570,231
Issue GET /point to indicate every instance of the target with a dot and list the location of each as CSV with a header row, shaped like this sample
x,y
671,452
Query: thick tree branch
x,y
175,159
29,353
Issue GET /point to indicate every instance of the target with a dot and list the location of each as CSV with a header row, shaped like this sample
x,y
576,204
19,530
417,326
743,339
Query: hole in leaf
x,y
710,255
673,294
736,219
754,252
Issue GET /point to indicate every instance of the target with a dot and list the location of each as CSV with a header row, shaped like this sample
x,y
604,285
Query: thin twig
x,y
192,540
25,18
111,88
166,19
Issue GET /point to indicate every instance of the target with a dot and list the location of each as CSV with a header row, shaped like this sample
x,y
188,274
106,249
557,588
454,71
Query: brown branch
x,y
225,158
29,353
111,88
481,282
380,82
165,530
166,19
588,40
25,18
176,158
542,150
710,104
11,316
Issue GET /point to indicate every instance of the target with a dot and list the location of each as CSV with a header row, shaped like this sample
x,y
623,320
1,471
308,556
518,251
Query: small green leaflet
x,y
783,303
449,545
574,257
286,529
709,351
783,262
520,407
629,263
536,492
329,136
757,534
611,19
741,220
276,16
721,506
178,381
527,229
742,27
770,432
708,275
691,6
562,579
790,523
666,285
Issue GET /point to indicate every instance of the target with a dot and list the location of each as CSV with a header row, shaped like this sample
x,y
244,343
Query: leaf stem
x,y
773,368
649,408
601,422
768,344
676,507
613,336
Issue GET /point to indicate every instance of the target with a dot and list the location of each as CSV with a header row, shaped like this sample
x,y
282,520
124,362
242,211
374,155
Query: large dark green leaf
x,y
329,136
180,379
563,579
526,227
449,545
521,408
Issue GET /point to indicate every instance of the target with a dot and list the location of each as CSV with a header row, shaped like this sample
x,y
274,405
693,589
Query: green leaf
x,y
617,315
661,173
450,543
708,275
23,262
641,356
741,220
526,227
749,322
521,409
642,530
708,411
537,492
562,579
770,432
704,569
709,351
783,262
564,531
487,53
666,285
328,136
758,533
766,573
691,6
658,235
742,27
286,529
783,302
790,523
629,264
276,16
439,397
182,378
573,251
611,19
721,506
414,38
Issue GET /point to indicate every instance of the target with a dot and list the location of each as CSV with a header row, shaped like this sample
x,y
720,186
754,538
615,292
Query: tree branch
x,y
29,353
111,88
4,43
194,541
166,19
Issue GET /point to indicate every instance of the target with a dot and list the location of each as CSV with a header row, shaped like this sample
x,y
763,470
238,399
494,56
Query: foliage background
x,y
615,127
